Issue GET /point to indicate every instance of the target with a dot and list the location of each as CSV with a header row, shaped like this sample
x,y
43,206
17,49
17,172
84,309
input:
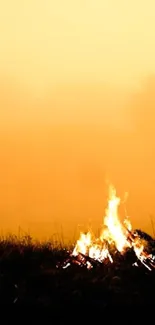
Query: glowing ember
x,y
114,233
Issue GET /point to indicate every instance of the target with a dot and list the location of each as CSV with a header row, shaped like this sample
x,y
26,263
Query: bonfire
x,y
90,250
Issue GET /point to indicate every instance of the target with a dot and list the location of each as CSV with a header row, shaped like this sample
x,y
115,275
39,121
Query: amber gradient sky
x,y
77,105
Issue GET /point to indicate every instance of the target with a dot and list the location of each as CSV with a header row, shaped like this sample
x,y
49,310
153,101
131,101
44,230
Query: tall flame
x,y
114,232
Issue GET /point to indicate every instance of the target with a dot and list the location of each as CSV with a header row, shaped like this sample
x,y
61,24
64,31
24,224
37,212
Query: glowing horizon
x,y
77,103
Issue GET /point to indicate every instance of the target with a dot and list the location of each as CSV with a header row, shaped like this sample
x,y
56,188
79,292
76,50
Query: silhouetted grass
x,y
30,278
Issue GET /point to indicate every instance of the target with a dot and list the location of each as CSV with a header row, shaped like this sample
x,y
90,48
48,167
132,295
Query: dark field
x,y
30,283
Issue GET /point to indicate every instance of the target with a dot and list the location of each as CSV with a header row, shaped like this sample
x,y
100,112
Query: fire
x,y
95,249
83,244
114,233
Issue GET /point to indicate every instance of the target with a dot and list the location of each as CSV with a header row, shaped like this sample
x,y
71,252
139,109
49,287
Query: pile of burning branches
x,y
115,237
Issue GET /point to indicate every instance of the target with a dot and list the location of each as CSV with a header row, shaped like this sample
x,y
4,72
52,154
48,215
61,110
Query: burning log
x,y
91,252
80,260
91,260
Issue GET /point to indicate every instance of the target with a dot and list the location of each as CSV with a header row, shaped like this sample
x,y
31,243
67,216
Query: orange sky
x,y
77,105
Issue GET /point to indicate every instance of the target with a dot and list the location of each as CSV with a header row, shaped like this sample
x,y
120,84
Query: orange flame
x,y
114,232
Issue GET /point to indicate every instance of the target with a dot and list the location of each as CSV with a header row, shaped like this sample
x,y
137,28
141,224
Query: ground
x,y
33,277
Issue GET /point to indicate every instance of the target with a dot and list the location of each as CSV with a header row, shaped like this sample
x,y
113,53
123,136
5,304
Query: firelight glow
x,y
76,105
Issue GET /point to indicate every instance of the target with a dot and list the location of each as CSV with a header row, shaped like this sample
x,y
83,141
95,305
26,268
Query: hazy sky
x,y
48,42
76,104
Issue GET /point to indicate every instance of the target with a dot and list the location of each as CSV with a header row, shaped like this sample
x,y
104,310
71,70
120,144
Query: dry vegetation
x,y
29,277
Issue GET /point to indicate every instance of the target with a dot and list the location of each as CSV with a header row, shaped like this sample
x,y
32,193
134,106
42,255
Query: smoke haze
x,y
77,107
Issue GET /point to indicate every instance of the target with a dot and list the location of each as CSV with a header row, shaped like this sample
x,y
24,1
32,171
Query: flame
x,y
113,233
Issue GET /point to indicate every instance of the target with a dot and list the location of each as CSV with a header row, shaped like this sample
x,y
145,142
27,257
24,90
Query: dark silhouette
x,y
32,278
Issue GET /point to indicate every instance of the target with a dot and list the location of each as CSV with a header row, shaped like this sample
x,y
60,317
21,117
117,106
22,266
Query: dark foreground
x,y
32,286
